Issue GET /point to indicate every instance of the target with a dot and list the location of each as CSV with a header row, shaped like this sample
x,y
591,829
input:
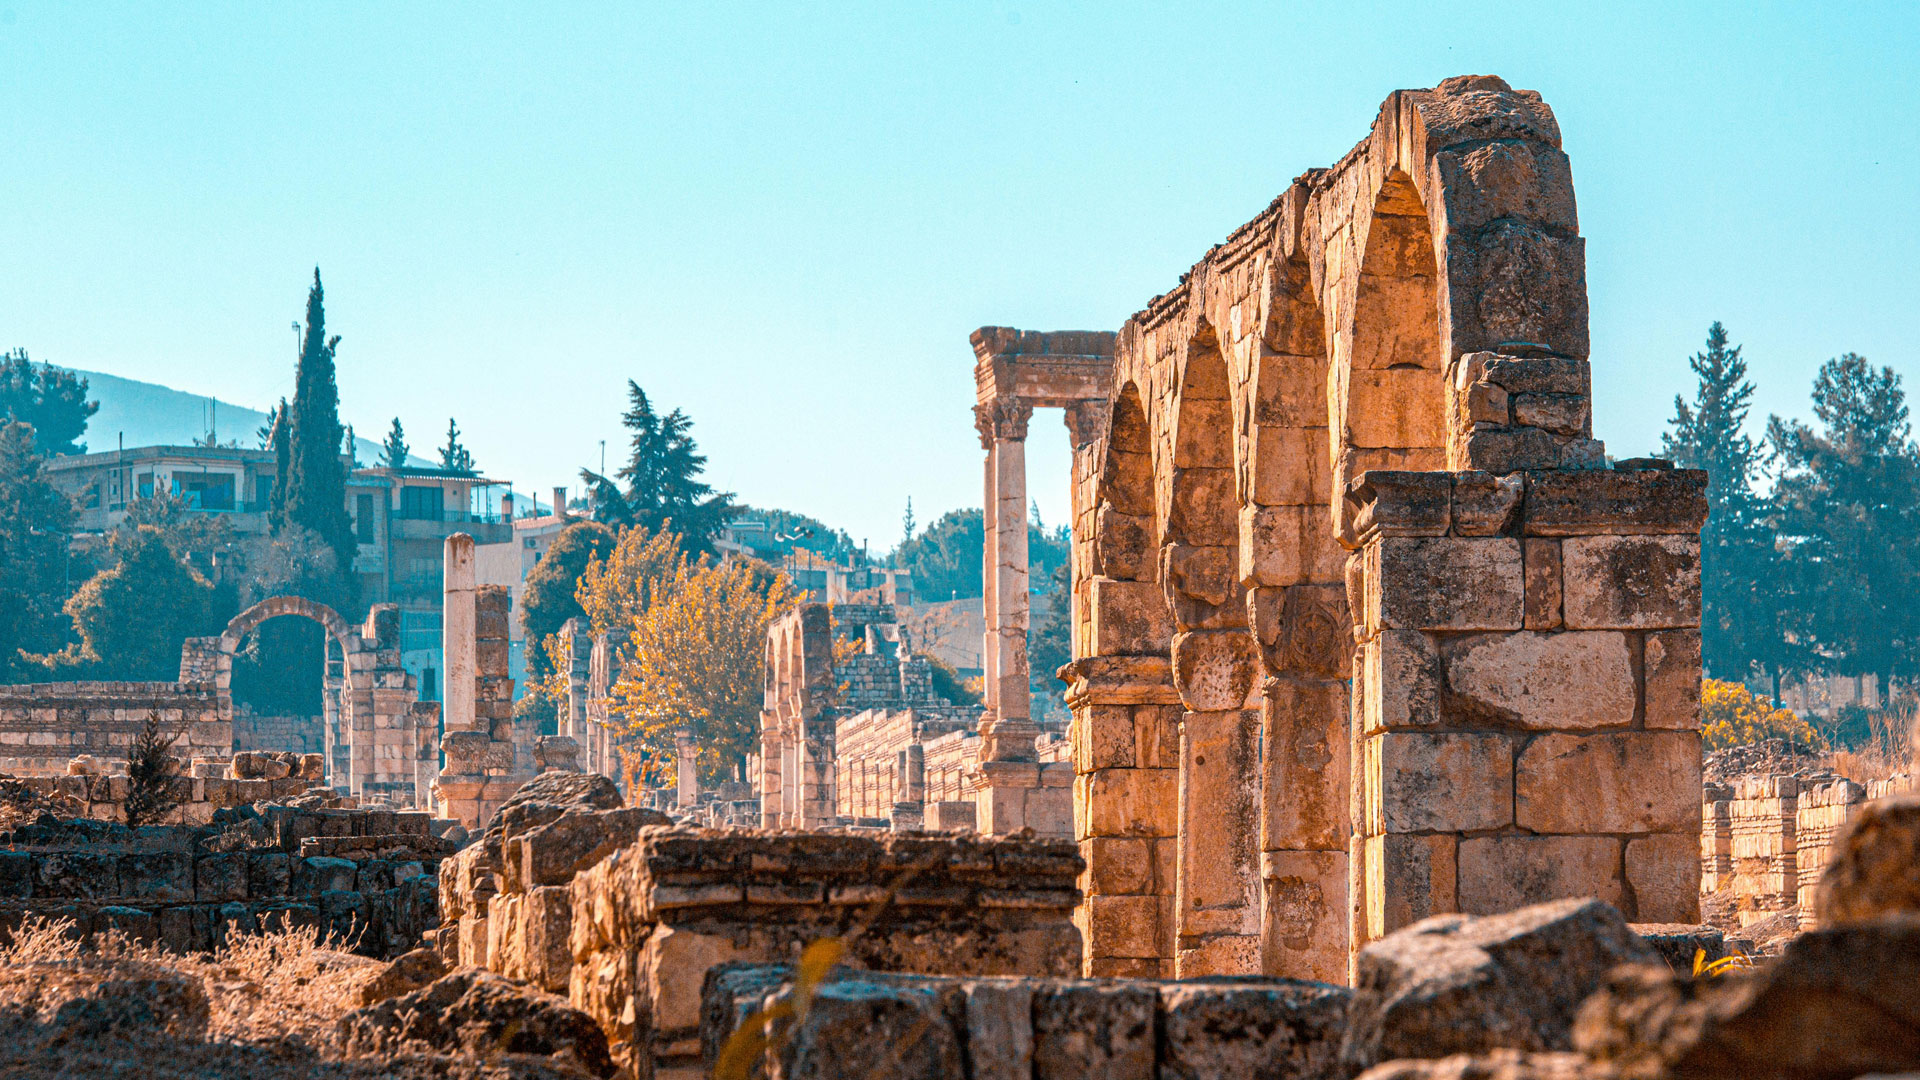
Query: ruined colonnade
x,y
1367,626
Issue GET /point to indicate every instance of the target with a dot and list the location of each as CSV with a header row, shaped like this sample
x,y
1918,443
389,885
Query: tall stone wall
x,y
1348,465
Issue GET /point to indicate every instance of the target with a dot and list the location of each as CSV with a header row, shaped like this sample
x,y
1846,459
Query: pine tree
x,y
316,477
453,456
1849,498
393,453
1739,624
36,521
906,522
664,492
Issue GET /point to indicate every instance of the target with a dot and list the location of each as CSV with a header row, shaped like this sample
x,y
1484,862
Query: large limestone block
x,y
1303,630
1673,679
1126,926
1130,802
1123,545
1571,681
1664,870
1203,507
1220,823
883,1029
1454,984
1290,464
1262,1028
1617,782
1875,867
1616,503
1506,179
1214,670
1304,728
1418,782
1402,676
1444,583
1083,1029
1406,878
1838,1003
1129,617
1503,873
1631,582
1304,914
1117,865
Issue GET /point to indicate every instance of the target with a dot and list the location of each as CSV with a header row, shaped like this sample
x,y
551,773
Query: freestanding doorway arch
x,y
382,742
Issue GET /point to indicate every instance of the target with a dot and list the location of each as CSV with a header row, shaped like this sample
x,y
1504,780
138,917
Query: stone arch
x,y
338,708
1123,541
1387,388
1200,540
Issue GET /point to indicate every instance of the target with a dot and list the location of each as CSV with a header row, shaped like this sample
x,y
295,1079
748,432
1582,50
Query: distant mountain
x,y
135,413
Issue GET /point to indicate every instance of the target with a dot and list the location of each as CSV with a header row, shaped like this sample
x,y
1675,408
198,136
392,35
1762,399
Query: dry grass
x,y
1888,752
266,1005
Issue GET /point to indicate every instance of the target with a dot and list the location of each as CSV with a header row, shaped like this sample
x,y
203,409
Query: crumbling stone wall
x,y
1768,837
103,797
626,916
837,734
365,875
42,725
1361,611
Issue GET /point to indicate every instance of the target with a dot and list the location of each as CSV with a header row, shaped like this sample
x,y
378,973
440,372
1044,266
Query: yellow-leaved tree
x,y
1731,716
695,651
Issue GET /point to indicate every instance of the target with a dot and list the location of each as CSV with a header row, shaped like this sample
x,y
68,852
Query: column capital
x,y
1087,421
1000,420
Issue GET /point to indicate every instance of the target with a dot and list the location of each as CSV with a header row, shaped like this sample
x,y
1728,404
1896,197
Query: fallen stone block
x,y
1454,984
408,973
1260,1029
1838,1003
480,1013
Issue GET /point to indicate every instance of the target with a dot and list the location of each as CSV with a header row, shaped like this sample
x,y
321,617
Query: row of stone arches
x,y
1333,335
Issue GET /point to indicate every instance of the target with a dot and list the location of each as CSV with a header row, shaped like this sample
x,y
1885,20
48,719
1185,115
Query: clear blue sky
x,y
786,219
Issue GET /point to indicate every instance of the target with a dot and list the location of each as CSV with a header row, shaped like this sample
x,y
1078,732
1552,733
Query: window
x,y
205,490
146,485
429,685
93,495
363,518
422,503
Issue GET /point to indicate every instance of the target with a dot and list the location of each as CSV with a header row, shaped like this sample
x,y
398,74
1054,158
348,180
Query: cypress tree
x,y
1739,611
316,479
455,457
276,436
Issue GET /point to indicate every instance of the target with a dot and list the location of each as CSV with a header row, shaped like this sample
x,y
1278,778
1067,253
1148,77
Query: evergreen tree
x,y
316,476
906,522
276,439
54,402
664,492
35,522
393,453
1739,619
1849,501
453,456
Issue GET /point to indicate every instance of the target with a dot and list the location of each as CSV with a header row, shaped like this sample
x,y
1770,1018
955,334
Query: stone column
x,y
457,641
686,770
909,799
1006,731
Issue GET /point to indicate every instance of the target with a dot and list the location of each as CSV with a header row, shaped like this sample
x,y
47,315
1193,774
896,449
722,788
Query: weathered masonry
x,y
1367,627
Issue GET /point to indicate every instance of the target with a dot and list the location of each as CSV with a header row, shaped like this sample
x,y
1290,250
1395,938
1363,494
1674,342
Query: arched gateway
x,y
382,743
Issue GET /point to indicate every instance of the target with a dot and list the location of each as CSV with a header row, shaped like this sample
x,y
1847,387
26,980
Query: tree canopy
x,y
549,600
133,616
53,401
454,456
35,524
663,489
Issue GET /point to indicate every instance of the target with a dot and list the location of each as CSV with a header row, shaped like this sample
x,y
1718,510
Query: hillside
x,y
148,414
